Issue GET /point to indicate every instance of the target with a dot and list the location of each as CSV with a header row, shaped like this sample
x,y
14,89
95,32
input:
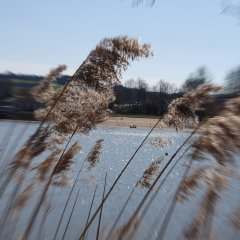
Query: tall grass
x,y
45,161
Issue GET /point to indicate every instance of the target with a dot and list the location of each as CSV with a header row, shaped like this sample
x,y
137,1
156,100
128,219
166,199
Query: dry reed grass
x,y
45,167
66,160
24,197
218,140
203,175
219,136
79,106
192,182
33,147
93,157
84,102
64,164
236,218
128,230
200,224
181,111
44,91
145,181
160,142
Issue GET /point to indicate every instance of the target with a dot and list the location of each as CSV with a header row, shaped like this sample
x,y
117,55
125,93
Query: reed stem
x,y
115,182
68,199
100,215
70,217
90,209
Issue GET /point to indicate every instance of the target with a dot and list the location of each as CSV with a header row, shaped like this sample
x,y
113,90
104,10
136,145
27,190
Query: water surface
x,y
118,146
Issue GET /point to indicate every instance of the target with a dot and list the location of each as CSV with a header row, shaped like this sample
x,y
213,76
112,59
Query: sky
x,y
39,35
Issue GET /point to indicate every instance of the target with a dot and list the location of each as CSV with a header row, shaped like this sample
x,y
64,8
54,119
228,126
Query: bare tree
x,y
130,83
233,80
164,87
148,2
154,88
232,9
196,79
142,84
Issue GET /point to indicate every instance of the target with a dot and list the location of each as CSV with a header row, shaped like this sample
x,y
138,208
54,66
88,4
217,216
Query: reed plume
x,y
46,166
219,136
24,196
93,156
43,92
145,181
128,230
192,182
202,175
160,142
61,181
85,100
201,224
67,157
19,159
236,218
36,144
181,111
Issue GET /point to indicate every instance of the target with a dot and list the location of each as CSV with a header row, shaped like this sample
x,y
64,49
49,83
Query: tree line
x,y
135,96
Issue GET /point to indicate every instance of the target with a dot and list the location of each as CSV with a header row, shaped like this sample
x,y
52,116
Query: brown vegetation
x,y
80,105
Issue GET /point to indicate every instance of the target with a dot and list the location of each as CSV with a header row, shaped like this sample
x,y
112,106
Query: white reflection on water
x,y
118,146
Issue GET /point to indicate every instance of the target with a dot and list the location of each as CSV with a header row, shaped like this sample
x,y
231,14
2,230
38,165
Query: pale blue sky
x,y
38,35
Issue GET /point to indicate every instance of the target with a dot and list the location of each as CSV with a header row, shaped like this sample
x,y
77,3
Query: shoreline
x,y
110,122
120,122
138,122
127,121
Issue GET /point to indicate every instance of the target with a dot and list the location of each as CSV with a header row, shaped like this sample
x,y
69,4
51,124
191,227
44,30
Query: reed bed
x,y
45,162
